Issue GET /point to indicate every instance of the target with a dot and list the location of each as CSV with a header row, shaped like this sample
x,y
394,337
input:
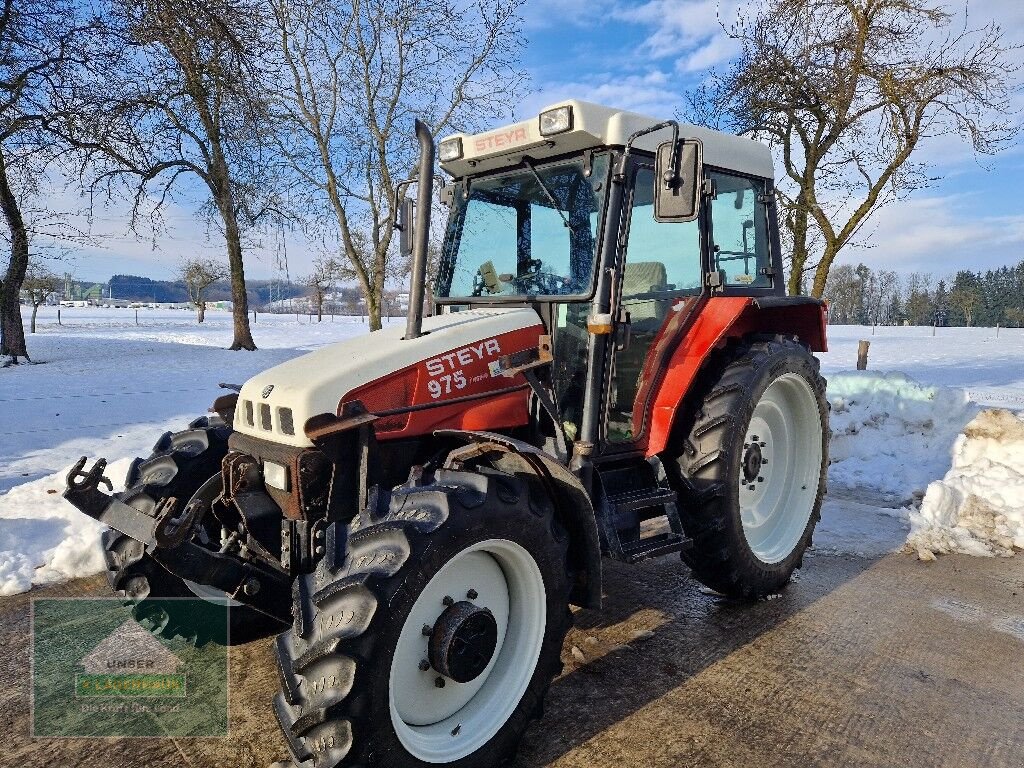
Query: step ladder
x,y
629,509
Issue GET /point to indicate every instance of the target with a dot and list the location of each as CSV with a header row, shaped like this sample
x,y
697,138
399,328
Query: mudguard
x,y
572,502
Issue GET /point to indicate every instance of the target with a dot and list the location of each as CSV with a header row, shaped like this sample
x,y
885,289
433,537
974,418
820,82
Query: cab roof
x,y
592,126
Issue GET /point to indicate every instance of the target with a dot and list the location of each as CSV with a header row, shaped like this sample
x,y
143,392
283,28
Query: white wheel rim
x,y
777,501
442,725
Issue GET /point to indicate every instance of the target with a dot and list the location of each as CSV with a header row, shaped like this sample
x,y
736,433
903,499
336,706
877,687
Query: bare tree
x,y
319,282
198,275
38,43
40,283
177,99
846,91
353,76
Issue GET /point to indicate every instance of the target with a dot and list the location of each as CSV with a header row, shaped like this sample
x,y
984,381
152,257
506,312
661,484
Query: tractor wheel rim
x,y
441,724
780,466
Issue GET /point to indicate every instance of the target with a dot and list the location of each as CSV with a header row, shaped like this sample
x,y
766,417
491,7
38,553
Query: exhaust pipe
x,y
421,232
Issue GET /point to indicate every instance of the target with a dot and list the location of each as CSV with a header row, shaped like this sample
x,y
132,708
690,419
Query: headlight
x,y
555,121
275,475
450,149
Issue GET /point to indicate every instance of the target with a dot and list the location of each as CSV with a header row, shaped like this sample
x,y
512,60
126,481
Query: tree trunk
x,y
373,312
799,258
35,311
12,330
239,298
821,272
201,310
319,308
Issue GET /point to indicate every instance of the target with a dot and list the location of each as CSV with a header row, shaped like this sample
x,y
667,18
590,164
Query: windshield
x,y
528,232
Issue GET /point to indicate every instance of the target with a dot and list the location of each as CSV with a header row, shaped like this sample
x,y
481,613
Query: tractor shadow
x,y
658,630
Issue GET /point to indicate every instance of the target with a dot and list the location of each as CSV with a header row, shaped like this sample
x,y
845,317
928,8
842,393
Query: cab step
x,y
628,509
655,546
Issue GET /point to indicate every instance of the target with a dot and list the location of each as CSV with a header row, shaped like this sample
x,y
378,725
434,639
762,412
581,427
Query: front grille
x,y
265,423
248,414
285,421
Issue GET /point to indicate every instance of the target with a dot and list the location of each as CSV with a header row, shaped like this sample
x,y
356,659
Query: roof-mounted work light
x,y
556,121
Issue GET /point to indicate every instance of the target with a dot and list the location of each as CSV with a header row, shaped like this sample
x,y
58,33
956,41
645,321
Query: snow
x,y
978,507
105,386
108,387
891,435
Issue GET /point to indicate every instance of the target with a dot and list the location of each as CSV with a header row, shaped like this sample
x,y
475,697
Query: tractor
x,y
609,367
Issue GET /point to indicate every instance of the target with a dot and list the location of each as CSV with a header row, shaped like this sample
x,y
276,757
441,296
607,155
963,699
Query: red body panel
x,y
721,319
450,391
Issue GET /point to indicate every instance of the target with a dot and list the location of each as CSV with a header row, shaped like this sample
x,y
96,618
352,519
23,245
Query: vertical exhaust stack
x,y
421,233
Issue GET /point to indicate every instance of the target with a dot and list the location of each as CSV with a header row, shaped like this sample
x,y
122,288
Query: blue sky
x,y
643,56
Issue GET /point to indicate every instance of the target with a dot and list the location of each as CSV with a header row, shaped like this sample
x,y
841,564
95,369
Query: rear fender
x,y
573,506
719,321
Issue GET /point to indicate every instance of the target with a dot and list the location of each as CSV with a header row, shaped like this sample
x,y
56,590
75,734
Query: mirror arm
x,y
620,172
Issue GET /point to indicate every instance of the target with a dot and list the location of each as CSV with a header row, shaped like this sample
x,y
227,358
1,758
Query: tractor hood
x,y
452,359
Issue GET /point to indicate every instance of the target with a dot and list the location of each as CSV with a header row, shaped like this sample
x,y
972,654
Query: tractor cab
x,y
572,214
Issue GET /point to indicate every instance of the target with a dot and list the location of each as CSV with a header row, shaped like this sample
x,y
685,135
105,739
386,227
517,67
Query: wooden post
x,y
997,330
862,354
136,317
58,316
254,317
933,329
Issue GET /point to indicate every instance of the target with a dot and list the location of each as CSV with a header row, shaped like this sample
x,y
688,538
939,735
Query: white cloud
x,y
940,234
651,93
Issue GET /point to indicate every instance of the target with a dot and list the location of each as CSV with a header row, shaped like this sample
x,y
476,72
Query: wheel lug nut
x,y
751,487
424,665
760,479
472,594
427,630
448,600
439,682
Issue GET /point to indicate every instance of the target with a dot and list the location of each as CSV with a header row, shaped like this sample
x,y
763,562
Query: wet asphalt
x,y
884,661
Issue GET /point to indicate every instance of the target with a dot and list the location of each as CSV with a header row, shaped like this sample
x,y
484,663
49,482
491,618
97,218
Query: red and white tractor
x,y
611,369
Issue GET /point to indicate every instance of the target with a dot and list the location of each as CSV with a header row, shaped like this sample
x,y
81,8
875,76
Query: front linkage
x,y
251,580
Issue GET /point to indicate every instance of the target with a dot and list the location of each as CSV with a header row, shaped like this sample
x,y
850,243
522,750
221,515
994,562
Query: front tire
x,y
461,578
752,466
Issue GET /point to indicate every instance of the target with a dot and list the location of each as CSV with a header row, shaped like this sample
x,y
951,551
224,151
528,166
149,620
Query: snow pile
x,y
891,435
978,508
43,539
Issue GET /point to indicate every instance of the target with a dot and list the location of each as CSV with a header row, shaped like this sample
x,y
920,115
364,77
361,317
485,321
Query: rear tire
x,y
183,464
354,688
752,466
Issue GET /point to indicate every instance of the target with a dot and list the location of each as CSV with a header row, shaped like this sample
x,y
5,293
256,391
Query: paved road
x,y
864,661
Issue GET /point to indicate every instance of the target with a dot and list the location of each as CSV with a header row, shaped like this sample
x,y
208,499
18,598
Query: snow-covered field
x,y
108,387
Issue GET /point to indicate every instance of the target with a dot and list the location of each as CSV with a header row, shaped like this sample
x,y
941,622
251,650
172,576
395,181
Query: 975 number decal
x,y
444,385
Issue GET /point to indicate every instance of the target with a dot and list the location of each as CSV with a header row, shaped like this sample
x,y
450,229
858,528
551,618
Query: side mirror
x,y
678,175
405,226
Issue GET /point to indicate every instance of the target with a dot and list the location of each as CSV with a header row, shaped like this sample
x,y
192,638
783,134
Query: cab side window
x,y
739,226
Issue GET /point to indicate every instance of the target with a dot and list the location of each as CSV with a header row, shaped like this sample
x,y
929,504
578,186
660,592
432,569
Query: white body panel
x,y
315,383
596,126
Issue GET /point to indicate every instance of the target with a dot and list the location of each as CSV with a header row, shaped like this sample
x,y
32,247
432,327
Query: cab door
x,y
660,278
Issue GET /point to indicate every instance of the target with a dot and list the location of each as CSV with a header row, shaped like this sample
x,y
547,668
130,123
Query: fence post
x,y
58,316
862,354
136,317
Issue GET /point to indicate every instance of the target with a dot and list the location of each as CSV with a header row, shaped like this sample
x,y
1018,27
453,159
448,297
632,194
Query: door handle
x,y
624,332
